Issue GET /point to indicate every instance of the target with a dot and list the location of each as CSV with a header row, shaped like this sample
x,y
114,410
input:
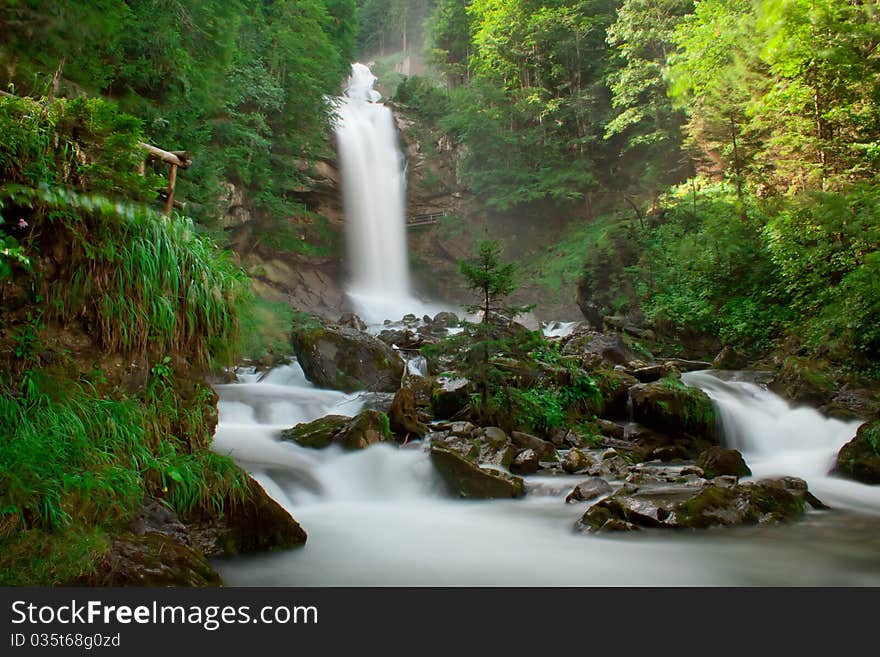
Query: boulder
x,y
252,524
545,450
526,462
450,397
445,318
317,434
367,428
589,489
717,461
730,359
576,461
650,373
672,407
346,359
683,365
465,478
859,459
689,507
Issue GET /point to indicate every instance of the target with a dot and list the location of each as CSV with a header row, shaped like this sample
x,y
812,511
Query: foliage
x,y
492,281
265,329
240,85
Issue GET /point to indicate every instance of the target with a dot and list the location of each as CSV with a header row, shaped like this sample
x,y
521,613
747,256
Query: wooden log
x,y
166,156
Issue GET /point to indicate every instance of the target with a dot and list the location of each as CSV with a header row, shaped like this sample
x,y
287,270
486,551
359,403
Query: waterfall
x,y
778,438
373,185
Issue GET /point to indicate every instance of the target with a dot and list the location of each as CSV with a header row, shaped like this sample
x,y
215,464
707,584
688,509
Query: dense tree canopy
x,y
239,83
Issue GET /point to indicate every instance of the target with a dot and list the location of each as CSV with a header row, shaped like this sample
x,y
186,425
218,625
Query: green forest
x,y
714,165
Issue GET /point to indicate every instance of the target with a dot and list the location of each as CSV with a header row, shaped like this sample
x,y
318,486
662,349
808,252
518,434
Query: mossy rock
x,y
717,461
318,433
859,459
151,559
614,388
775,500
465,478
256,523
346,359
367,428
672,407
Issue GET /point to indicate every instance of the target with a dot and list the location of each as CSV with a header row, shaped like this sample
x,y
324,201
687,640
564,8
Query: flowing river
x,y
381,517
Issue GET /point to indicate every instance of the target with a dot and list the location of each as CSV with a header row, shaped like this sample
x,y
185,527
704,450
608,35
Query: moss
x,y
693,512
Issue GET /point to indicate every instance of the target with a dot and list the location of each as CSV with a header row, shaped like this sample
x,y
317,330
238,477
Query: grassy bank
x,y
112,312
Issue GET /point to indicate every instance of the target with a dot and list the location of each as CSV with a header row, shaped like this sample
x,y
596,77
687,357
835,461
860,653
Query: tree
x,y
645,117
493,280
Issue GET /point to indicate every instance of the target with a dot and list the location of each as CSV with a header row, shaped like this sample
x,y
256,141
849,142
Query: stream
x,y
381,517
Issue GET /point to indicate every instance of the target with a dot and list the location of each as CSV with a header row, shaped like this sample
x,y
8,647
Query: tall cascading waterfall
x,y
373,185
777,438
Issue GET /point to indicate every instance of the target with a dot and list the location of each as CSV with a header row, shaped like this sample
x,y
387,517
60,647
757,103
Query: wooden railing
x,y
424,219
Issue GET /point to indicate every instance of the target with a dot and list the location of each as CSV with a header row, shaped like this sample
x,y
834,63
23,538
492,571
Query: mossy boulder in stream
x,y
672,407
318,433
701,506
859,459
346,359
465,478
367,428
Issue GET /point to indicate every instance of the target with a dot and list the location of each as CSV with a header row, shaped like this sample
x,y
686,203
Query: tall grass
x,y
148,281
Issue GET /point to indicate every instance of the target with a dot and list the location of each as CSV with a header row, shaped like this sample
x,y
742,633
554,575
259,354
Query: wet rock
x,y
609,429
544,449
451,396
589,489
255,523
576,461
404,415
853,405
859,459
351,320
698,508
563,438
610,348
465,478
462,428
367,428
346,359
615,466
494,435
649,373
730,359
717,461
672,407
446,319
683,365
526,462
317,434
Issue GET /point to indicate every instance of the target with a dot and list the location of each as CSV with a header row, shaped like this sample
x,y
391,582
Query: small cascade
x,y
777,438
